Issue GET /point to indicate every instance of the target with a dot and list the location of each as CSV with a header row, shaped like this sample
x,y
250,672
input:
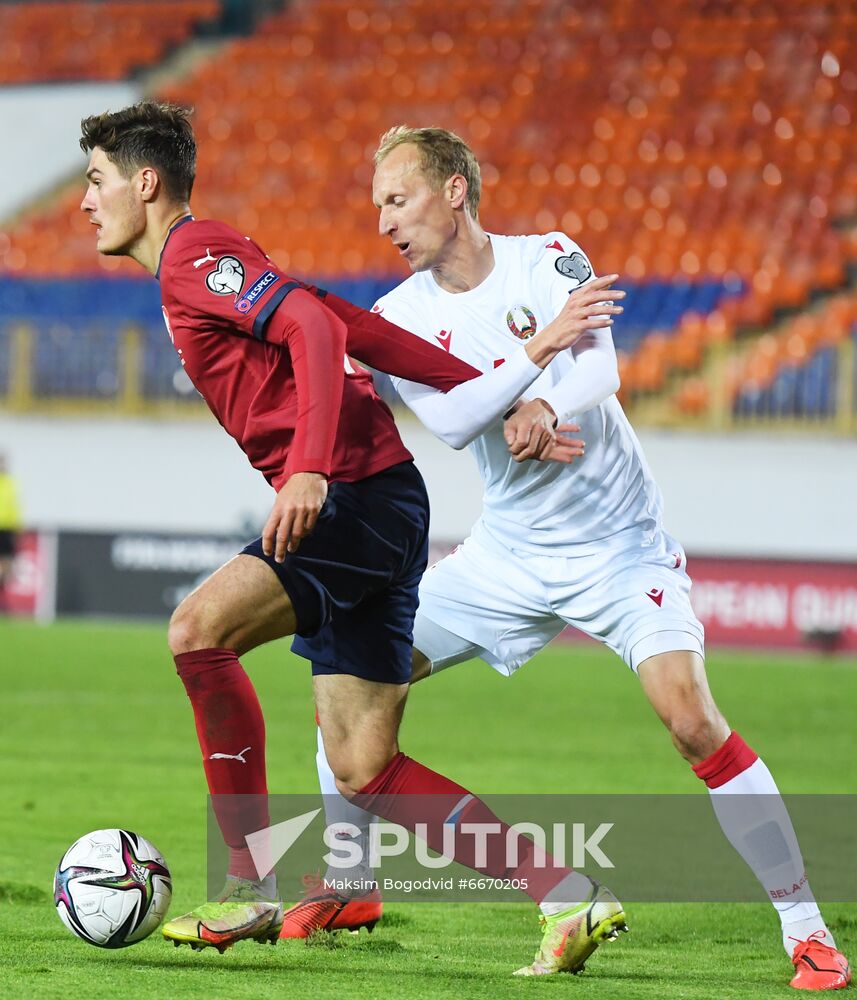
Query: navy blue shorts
x,y
7,543
353,582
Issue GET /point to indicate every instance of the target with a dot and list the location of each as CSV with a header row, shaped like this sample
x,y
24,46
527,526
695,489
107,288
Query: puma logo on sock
x,y
231,756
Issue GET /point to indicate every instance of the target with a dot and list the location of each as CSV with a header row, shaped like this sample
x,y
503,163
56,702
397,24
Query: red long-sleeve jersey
x,y
270,355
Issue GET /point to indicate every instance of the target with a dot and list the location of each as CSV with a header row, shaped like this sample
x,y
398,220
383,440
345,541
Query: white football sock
x,y
571,891
267,886
754,818
338,811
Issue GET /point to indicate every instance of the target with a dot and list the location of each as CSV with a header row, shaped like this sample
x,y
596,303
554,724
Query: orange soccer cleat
x,y
327,910
819,967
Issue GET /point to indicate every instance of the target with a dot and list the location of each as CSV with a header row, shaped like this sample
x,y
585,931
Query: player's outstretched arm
x,y
590,307
593,378
595,375
397,352
531,431
468,410
455,401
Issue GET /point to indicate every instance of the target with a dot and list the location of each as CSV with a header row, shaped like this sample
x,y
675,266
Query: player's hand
x,y
530,433
590,307
294,513
564,449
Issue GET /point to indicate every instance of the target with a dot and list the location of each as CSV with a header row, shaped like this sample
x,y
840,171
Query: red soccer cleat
x,y
326,910
819,967
362,911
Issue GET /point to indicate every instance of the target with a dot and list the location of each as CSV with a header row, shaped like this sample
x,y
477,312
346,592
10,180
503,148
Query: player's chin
x,y
111,250
417,264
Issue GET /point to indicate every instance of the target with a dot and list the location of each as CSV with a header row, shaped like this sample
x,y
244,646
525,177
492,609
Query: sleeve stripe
x,y
268,308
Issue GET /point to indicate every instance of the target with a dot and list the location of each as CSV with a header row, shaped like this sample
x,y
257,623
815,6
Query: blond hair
x,y
442,154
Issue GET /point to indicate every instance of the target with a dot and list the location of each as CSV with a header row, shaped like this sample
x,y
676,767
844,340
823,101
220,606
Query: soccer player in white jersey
x,y
558,542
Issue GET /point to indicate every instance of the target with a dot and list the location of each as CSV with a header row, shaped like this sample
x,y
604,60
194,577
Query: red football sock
x,y
726,763
231,731
408,793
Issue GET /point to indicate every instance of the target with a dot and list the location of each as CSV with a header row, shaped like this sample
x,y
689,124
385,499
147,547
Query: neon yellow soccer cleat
x,y
241,914
570,937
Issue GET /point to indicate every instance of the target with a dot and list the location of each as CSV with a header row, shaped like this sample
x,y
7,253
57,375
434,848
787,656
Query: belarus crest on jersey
x,y
227,278
521,322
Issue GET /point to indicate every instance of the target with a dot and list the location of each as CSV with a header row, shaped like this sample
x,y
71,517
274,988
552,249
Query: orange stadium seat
x,y
91,41
679,145
692,398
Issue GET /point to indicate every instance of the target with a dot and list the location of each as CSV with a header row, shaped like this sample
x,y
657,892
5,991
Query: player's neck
x,y
147,250
467,264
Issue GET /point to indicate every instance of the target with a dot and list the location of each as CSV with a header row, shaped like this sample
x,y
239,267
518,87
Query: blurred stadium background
x,y
703,149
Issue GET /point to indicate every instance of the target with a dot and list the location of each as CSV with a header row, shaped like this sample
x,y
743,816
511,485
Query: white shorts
x,y
505,606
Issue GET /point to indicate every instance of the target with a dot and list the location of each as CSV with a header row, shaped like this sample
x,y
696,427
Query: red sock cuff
x,y
386,781
726,763
199,661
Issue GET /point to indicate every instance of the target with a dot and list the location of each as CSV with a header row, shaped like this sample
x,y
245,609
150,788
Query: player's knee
x,y
191,629
697,732
351,777
348,788
353,771
350,780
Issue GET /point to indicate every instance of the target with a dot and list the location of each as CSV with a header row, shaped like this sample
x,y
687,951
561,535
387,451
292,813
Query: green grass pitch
x,y
96,732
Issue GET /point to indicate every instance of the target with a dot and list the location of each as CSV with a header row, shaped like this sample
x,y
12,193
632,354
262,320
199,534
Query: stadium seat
x,y
92,41
710,170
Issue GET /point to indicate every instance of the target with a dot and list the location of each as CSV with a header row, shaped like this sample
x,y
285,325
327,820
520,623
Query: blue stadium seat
x,y
752,403
72,360
783,392
79,321
5,358
816,392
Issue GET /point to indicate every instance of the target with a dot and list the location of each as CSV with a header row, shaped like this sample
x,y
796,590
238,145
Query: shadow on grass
x,y
21,892
395,919
346,972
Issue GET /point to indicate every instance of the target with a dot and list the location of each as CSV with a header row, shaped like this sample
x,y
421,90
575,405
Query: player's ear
x,y
456,188
149,183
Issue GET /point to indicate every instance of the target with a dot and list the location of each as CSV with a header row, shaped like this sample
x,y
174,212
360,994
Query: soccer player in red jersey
x,y
345,546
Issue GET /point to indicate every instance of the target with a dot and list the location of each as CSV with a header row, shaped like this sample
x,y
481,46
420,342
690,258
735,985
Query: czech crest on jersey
x,y
521,322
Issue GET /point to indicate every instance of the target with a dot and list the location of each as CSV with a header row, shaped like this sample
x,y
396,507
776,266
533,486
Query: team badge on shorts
x,y
521,322
574,266
227,278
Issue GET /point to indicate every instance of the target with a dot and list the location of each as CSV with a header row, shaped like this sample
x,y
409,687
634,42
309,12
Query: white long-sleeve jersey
x,y
538,507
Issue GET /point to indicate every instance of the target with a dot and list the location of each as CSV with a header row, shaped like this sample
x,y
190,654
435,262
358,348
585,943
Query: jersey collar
x,y
173,228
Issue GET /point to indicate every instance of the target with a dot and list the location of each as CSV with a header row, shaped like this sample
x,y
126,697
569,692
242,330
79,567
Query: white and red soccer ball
x,y
112,888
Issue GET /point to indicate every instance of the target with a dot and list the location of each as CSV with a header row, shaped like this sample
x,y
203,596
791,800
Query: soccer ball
x,y
112,888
